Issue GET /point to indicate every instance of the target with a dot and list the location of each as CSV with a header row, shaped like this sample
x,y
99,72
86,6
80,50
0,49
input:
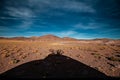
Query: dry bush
x,y
80,48
113,58
88,49
102,47
96,55
4,55
24,56
71,48
118,55
15,61
7,55
78,55
111,64
95,51
58,52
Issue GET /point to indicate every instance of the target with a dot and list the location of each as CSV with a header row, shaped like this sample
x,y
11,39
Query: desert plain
x,y
102,55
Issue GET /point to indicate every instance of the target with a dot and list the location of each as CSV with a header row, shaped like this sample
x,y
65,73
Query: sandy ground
x,y
102,57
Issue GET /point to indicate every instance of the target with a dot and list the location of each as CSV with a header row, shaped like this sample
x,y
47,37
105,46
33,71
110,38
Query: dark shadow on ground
x,y
53,66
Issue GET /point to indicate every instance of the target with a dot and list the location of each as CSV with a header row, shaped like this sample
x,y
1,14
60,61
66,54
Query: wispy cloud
x,y
5,18
48,17
67,5
90,25
67,33
21,12
59,33
110,30
25,25
5,29
77,7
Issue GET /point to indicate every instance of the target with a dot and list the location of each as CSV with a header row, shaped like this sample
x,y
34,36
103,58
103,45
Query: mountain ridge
x,y
51,37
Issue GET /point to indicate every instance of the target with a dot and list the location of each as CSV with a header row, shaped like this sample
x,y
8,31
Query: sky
x,y
81,19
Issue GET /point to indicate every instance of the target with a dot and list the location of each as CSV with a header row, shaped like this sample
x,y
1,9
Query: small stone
x,y
113,69
117,66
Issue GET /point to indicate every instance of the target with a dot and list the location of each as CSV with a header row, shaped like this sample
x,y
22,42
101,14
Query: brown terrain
x,y
50,56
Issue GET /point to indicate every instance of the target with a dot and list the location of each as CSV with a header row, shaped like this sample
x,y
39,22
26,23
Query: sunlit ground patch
x,y
57,43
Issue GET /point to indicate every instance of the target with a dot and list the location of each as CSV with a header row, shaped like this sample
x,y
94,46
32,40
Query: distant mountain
x,y
50,37
2,38
45,38
103,39
68,38
20,38
14,38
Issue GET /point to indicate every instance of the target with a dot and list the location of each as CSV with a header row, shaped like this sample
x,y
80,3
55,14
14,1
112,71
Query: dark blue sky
x,y
83,19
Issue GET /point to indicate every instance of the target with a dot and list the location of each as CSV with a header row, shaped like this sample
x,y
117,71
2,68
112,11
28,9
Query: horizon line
x,y
59,37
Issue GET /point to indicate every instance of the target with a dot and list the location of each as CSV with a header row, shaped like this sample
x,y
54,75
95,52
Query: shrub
x,y
78,55
71,48
5,55
102,48
95,51
96,55
58,52
15,61
51,50
113,58
24,56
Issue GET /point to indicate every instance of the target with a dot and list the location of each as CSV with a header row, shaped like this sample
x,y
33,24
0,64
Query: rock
x,y
117,66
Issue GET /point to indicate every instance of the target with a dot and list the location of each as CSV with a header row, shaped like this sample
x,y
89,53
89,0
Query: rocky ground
x,y
103,57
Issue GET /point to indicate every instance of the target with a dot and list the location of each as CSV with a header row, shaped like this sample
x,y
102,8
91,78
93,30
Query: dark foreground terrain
x,y
53,66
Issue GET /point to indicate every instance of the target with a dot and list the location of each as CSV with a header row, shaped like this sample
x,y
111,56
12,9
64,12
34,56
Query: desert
x,y
59,39
102,55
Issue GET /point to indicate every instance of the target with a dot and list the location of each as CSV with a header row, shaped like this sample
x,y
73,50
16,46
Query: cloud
x,y
90,25
24,15
3,18
77,7
20,12
8,31
67,5
33,10
110,30
27,24
5,29
59,33
49,17
66,33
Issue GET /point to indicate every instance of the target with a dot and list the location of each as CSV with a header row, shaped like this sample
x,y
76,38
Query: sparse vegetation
x,y
90,53
14,61
5,55
78,55
58,52
102,48
24,56
113,58
96,55
111,64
